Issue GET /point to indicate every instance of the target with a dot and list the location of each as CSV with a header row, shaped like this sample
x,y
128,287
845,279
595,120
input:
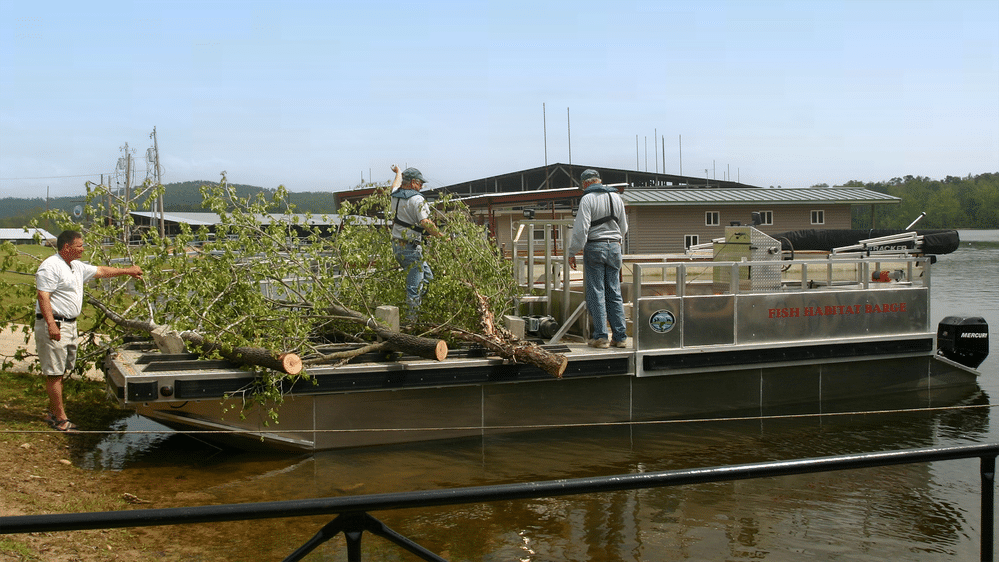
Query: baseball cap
x,y
410,174
589,174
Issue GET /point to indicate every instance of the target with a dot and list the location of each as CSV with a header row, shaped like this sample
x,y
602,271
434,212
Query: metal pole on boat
x,y
911,224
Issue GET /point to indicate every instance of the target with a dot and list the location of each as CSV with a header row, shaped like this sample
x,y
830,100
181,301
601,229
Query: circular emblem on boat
x,y
662,321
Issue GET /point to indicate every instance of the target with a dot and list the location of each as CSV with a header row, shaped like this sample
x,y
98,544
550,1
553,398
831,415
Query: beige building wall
x,y
663,229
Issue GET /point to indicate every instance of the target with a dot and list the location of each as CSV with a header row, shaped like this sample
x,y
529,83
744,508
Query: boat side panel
x,y
382,417
558,402
697,396
669,322
294,427
708,320
791,390
831,314
907,377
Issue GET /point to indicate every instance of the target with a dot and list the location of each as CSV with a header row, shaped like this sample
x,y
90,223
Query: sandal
x,y
64,425
48,418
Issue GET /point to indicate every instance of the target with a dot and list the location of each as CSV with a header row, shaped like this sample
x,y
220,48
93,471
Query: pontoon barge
x,y
749,333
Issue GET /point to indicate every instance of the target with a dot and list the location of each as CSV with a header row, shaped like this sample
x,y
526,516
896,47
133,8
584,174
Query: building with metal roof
x,y
669,220
666,212
778,196
25,235
173,220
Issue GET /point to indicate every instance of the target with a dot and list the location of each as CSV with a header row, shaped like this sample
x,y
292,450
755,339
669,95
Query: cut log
x,y
289,363
428,348
520,351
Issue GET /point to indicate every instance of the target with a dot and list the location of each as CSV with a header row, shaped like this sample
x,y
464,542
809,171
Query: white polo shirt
x,y
65,283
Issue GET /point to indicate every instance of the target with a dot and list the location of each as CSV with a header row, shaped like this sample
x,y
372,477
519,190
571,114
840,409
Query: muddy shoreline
x,y
39,474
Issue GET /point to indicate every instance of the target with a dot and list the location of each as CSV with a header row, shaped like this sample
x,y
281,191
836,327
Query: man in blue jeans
x,y
598,232
411,221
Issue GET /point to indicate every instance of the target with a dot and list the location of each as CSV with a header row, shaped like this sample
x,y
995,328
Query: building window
x,y
767,218
818,217
690,240
712,218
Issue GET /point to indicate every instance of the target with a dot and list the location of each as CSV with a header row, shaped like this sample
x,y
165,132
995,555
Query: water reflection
x,y
917,509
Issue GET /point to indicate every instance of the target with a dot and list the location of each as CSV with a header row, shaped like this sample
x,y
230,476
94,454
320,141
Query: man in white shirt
x,y
59,281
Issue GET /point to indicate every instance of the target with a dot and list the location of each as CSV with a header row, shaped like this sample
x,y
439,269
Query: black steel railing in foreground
x,y
353,518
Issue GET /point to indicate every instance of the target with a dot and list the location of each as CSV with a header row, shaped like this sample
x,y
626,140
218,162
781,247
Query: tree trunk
x,y
415,345
289,363
520,351
501,341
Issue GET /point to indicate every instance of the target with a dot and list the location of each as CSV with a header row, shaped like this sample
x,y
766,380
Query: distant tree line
x,y
968,202
186,197
179,197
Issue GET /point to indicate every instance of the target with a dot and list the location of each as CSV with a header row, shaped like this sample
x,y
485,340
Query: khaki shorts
x,y
57,358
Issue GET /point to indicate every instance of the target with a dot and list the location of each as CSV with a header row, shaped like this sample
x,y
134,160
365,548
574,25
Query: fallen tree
x,y
501,341
288,363
267,287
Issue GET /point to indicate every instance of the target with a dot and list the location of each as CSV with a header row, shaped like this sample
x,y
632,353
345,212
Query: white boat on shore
x,y
746,333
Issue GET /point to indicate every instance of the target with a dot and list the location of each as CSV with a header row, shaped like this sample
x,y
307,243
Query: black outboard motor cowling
x,y
964,339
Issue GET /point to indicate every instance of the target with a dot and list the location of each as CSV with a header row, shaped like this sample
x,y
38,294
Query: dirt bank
x,y
38,476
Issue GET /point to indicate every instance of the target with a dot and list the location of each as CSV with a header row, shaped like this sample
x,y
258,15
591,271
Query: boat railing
x,y
756,266
353,512
549,237
883,245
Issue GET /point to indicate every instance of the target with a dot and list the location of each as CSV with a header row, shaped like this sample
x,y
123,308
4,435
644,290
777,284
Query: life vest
x,y
395,211
611,217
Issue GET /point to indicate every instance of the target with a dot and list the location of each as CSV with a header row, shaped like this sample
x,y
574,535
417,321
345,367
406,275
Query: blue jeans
x,y
602,270
418,274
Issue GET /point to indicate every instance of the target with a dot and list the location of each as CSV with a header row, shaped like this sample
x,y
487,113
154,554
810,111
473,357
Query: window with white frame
x,y
767,217
819,217
712,218
690,240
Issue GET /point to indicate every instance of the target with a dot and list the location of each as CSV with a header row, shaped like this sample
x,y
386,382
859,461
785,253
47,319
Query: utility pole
x,y
159,182
544,129
663,144
568,127
128,193
125,164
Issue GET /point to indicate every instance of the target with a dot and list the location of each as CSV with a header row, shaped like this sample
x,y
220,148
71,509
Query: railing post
x,y
352,535
988,470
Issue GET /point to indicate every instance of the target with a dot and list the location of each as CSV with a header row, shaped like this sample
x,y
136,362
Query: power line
x,y
53,177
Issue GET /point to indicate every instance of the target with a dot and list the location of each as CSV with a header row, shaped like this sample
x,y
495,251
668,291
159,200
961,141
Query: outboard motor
x,y
964,340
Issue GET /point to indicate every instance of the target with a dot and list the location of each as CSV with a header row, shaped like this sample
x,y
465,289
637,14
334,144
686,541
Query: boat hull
x,y
455,408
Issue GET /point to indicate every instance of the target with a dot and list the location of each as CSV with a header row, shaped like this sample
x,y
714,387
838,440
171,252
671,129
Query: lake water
x,y
923,512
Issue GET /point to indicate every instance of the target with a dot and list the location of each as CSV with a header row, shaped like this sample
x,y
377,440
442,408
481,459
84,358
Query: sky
x,y
320,95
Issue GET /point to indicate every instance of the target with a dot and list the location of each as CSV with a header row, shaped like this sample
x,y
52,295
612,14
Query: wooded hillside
x,y
954,202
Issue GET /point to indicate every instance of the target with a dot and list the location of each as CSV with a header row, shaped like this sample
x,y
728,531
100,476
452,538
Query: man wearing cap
x,y
598,232
410,223
59,281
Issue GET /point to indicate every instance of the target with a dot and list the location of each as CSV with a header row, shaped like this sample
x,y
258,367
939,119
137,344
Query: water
x,y
924,512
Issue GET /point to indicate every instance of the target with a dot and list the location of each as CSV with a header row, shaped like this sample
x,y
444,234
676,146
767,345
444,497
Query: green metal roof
x,y
775,196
